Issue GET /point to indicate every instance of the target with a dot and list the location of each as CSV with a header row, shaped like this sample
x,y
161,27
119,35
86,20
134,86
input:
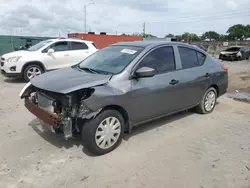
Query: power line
x,y
204,18
209,13
213,14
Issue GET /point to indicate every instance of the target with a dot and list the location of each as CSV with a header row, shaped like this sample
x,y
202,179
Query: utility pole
x,y
85,16
143,28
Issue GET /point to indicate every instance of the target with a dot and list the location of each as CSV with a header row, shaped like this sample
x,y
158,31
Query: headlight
x,y
13,59
239,54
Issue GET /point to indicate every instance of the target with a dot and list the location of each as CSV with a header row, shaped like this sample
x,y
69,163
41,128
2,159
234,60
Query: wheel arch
x,y
124,114
216,88
40,64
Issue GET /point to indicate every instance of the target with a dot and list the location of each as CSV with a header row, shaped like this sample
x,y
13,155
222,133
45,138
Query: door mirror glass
x,y
144,72
50,51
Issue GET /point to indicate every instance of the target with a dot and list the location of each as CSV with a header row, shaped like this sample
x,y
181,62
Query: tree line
x,y
235,32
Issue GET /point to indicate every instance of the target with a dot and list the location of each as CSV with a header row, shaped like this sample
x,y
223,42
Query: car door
x,y
158,95
194,75
59,58
79,51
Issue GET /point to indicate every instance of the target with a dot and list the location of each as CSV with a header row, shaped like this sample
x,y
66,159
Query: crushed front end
x,y
66,113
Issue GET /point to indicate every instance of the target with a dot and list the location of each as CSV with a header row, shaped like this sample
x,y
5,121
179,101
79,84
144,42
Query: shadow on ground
x,y
14,80
57,140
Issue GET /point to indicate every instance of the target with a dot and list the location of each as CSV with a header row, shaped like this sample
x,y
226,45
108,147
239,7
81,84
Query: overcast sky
x,y
51,17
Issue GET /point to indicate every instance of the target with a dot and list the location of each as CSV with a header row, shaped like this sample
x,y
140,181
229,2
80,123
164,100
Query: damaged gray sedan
x,y
124,85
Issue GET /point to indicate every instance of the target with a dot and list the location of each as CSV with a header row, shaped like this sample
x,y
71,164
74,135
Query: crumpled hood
x,y
67,80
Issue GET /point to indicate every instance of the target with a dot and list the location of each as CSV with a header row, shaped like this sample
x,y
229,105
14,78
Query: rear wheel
x,y
31,71
103,133
208,102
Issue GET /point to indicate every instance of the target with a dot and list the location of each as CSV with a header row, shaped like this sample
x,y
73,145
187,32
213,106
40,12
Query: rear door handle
x,y
174,82
208,75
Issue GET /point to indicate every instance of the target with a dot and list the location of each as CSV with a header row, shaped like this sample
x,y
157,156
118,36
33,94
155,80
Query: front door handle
x,y
174,82
208,75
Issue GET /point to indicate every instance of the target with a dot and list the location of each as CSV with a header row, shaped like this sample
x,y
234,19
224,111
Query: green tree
x,y
186,37
238,32
169,35
222,37
211,35
194,37
148,35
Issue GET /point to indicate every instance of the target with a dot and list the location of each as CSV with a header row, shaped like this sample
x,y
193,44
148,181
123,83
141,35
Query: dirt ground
x,y
239,76
184,150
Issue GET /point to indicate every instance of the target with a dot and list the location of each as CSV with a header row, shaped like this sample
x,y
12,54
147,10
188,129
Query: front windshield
x,y
39,45
112,59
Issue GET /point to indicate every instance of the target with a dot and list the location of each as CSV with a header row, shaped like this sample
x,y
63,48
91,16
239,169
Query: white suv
x,y
44,56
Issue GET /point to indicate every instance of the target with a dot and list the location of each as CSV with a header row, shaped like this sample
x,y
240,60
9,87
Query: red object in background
x,y
102,41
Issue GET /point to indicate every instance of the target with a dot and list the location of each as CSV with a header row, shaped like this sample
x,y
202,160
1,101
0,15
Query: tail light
x,y
224,68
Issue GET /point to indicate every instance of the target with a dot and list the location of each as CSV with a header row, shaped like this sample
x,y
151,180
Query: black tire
x,y
25,72
200,108
247,58
90,127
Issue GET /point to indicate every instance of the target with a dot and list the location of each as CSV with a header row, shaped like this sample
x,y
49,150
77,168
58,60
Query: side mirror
x,y
50,51
144,72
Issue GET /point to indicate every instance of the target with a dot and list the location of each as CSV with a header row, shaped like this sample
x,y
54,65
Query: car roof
x,y
149,43
70,39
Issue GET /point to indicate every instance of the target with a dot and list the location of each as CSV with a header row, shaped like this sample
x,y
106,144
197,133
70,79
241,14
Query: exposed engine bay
x,y
69,110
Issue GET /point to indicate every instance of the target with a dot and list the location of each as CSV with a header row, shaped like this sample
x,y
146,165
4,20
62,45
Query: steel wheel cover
x,y
108,132
210,100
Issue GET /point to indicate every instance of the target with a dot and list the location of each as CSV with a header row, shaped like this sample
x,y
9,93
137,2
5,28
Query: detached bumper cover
x,y
45,116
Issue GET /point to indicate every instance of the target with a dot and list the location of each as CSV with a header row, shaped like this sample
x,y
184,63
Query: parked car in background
x,y
235,53
45,56
124,85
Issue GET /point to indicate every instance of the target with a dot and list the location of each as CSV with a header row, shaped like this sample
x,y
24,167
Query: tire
x,y
247,58
26,72
201,108
90,137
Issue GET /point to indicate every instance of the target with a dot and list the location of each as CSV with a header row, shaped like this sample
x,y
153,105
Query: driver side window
x,y
161,59
58,47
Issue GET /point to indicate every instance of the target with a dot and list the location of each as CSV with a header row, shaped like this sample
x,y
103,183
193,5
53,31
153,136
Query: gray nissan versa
x,y
124,85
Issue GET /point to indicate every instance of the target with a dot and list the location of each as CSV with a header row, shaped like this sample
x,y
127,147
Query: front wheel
x,y
31,71
103,133
208,102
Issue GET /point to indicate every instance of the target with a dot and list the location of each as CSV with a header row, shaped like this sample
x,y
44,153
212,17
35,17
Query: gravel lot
x,y
184,150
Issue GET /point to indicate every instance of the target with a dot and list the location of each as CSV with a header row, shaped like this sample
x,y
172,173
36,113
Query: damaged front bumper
x,y
64,113
47,117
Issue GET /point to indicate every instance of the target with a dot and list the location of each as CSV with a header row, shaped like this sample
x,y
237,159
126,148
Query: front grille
x,y
2,64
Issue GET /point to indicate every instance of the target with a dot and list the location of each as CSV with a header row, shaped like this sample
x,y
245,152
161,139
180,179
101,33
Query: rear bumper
x,y
47,117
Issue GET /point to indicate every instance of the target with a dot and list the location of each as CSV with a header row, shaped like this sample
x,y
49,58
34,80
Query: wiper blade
x,y
89,70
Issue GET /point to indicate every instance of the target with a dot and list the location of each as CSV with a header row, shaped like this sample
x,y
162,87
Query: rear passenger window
x,y
191,58
201,58
78,46
161,59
